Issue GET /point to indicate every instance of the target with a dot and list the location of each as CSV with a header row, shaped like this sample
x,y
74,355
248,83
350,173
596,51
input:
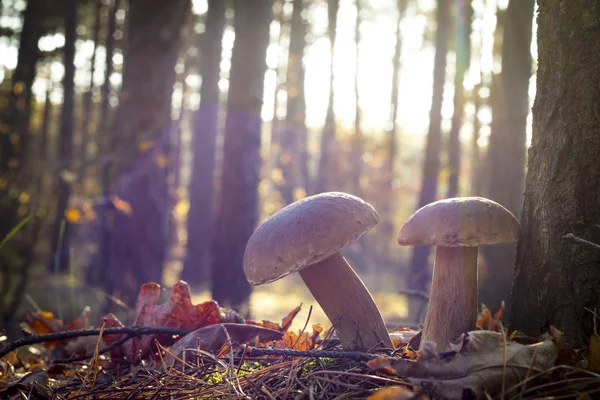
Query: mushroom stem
x,y
453,300
347,303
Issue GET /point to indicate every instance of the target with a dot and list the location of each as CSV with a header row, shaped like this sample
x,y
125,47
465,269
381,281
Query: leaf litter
x,y
215,360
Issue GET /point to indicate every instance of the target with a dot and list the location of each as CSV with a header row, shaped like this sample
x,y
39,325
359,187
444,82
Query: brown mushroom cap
x,y
304,233
460,222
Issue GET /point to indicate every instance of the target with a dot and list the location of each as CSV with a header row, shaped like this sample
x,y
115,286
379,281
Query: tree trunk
x,y
87,99
15,117
61,231
557,279
506,151
419,270
295,127
106,133
141,146
238,211
387,211
357,145
200,224
462,32
326,170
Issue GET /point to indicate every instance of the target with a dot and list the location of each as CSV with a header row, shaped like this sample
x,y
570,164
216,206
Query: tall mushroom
x,y
456,226
306,237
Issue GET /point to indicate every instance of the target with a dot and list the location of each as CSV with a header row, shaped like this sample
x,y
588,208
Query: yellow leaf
x,y
24,198
182,208
162,160
73,215
594,357
394,393
18,88
144,145
121,205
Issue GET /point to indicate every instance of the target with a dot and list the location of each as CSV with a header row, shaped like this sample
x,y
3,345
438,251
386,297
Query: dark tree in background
x,y
463,14
506,150
293,140
238,212
357,141
140,147
556,279
419,271
328,138
15,117
200,216
61,234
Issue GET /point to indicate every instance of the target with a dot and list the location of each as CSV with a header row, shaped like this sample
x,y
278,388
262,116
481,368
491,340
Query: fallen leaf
x,y
44,322
286,322
396,393
121,205
383,365
478,365
177,312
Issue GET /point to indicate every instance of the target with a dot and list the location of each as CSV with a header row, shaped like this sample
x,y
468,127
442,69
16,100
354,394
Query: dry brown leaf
x,y
177,312
477,365
396,393
286,322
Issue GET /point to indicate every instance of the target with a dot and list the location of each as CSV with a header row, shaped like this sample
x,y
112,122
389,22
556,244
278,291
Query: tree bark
x,y
506,151
462,32
325,170
419,270
556,279
295,128
200,222
141,146
238,213
61,231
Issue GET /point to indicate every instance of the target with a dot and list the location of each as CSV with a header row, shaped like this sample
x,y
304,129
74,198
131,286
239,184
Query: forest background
x,y
144,140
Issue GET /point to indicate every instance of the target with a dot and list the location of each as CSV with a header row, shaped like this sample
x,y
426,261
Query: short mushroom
x,y
456,226
306,237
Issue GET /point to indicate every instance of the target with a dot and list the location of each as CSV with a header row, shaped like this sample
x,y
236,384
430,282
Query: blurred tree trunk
x,y
463,15
506,151
326,169
419,270
141,146
357,145
481,174
105,92
387,211
61,229
85,131
95,274
295,128
475,150
14,123
557,278
238,212
200,222
276,128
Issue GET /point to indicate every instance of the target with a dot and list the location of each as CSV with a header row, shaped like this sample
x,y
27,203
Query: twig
x,y
579,240
349,355
127,330
100,352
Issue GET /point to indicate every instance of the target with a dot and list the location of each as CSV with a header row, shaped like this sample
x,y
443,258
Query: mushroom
x,y
306,237
456,226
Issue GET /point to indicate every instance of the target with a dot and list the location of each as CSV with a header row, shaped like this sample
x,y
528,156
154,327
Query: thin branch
x,y
132,331
570,236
